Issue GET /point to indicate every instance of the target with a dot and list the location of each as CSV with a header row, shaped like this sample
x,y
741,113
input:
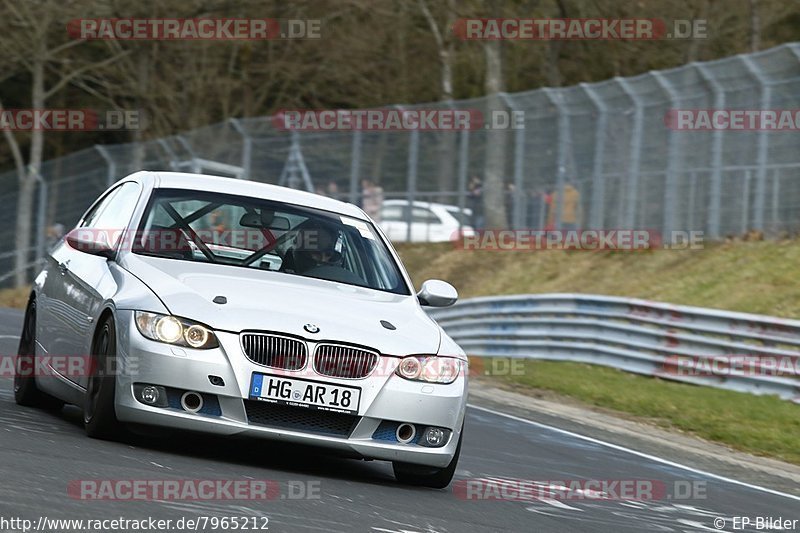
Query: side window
x,y
114,212
392,213
425,216
91,216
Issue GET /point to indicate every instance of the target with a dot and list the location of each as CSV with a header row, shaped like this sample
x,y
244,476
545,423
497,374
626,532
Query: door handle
x,y
63,267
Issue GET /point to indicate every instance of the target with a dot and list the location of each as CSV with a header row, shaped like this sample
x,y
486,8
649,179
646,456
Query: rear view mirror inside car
x,y
265,220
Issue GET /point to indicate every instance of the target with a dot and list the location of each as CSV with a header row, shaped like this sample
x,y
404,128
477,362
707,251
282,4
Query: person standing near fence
x,y
371,199
510,203
475,201
54,234
571,212
332,189
538,202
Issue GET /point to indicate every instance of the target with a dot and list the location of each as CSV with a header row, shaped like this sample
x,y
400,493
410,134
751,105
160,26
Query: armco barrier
x,y
738,351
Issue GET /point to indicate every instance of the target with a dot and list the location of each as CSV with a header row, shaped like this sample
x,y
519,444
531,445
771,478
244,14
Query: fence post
x,y
776,195
517,217
413,156
463,163
174,164
629,216
411,174
247,147
716,154
692,198
295,163
355,166
746,201
673,154
186,146
41,214
112,165
563,125
195,167
598,178
763,144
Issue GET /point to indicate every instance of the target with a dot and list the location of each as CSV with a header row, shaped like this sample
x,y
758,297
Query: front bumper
x,y
384,397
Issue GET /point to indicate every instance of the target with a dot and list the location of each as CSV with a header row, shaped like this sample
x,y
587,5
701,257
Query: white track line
x,y
640,454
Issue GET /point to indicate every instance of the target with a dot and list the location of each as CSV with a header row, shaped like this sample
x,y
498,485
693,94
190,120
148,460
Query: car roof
x,y
418,203
254,189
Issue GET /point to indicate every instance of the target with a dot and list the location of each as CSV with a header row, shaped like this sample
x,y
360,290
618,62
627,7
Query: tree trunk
x,y
27,185
447,139
138,145
447,161
494,171
755,26
377,162
23,233
554,47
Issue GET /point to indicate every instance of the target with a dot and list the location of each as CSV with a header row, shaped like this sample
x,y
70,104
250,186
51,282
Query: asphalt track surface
x,y
41,452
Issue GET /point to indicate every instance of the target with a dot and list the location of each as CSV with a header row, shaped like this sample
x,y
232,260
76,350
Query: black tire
x,y
25,390
99,414
426,476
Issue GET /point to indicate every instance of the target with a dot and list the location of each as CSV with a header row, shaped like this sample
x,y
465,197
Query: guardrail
x,y
744,352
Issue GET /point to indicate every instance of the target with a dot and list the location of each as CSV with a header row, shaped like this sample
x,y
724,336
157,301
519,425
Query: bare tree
x,y
443,36
51,68
554,47
444,44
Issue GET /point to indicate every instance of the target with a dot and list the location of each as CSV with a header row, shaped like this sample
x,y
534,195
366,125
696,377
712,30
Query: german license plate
x,y
305,393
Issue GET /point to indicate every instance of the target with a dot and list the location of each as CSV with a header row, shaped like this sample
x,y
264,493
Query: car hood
x,y
279,302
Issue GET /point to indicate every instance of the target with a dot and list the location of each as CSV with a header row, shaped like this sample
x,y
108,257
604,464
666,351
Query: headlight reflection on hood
x,y
429,368
174,330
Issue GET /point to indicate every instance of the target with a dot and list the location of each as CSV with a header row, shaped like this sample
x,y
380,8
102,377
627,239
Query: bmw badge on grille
x,y
311,328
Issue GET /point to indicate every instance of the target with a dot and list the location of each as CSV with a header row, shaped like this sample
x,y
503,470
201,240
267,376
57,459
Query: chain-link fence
x,y
608,142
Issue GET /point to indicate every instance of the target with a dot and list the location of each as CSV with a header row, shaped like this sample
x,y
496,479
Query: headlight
x,y
431,368
174,330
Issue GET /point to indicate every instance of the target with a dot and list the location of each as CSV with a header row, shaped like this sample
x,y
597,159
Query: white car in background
x,y
430,222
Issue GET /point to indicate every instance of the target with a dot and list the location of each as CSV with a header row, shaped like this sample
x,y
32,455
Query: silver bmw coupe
x,y
231,307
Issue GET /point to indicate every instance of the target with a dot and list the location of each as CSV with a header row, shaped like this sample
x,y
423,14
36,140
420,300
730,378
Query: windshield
x,y
266,235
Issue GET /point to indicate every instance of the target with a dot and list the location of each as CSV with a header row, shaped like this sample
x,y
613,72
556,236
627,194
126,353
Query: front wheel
x,y
99,414
25,390
426,476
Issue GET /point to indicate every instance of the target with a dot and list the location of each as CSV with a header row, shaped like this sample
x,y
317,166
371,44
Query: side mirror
x,y
437,293
90,241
